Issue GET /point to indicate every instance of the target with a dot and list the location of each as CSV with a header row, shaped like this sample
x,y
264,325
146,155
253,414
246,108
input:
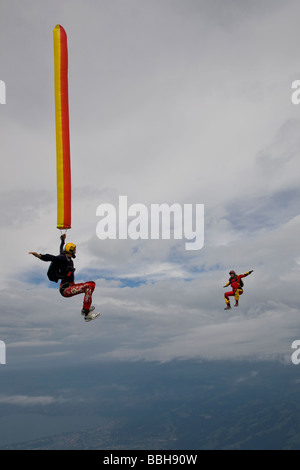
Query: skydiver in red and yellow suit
x,y
236,284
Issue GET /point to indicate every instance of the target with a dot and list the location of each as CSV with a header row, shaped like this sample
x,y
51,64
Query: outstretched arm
x,y
34,253
247,273
42,257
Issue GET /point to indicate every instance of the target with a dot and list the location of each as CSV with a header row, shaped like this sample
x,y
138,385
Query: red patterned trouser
x,y
86,288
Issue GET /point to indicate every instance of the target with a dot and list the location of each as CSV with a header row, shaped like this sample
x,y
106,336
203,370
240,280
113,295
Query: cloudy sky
x,y
171,101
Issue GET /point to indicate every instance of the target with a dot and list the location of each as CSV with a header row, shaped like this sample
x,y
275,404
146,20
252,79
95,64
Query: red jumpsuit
x,y
235,283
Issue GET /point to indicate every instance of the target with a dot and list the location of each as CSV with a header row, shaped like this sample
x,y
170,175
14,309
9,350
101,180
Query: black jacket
x,y
62,265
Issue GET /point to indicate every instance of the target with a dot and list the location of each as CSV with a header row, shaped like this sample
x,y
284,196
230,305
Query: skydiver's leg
x,y
227,300
86,288
237,294
87,300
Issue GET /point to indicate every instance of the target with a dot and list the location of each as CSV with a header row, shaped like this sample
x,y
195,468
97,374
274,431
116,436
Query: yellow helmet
x,y
70,248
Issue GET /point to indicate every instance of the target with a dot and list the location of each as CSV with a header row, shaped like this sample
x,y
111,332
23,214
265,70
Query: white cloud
x,y
26,400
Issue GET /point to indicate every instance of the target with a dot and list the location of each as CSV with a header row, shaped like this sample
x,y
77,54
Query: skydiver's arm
x,y
47,257
227,284
61,248
34,253
42,257
246,274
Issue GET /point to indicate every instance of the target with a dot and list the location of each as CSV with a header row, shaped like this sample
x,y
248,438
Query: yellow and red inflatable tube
x,y
63,161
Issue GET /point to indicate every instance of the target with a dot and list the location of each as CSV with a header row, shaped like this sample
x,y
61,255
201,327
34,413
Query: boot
x,y
86,312
91,316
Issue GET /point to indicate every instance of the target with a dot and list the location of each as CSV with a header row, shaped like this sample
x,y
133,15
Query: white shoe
x,y
91,316
90,310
